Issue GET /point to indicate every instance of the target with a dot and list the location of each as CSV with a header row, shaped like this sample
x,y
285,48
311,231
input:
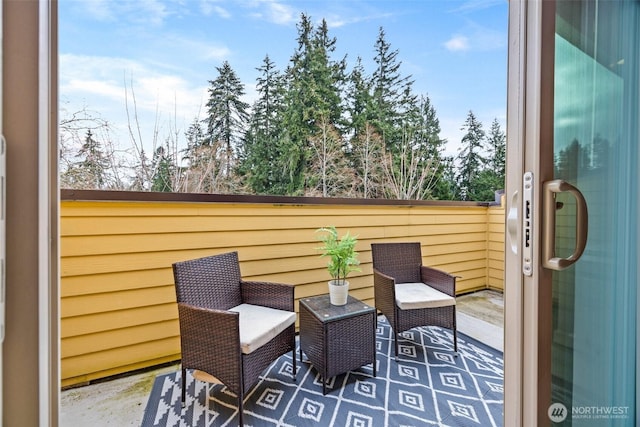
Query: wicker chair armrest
x,y
438,279
210,342
384,292
268,294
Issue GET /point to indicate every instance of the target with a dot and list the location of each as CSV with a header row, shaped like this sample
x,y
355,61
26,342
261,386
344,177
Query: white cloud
x,y
101,10
475,5
336,14
164,92
211,7
93,75
152,12
279,13
157,99
273,11
487,39
476,38
337,21
457,43
201,50
222,12
93,88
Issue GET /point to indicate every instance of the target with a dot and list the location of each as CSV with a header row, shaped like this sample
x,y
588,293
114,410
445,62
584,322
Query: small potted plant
x,y
343,259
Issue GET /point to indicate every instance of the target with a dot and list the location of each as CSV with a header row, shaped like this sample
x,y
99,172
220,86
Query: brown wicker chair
x,y
410,294
215,306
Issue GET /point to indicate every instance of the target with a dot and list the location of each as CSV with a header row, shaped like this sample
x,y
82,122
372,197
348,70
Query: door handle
x,y
550,189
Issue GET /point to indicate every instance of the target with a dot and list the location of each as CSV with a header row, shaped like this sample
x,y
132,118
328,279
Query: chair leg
x,y
295,370
455,332
455,340
395,342
184,385
240,409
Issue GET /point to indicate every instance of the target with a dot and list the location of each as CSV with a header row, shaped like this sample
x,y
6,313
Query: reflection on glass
x,y
596,149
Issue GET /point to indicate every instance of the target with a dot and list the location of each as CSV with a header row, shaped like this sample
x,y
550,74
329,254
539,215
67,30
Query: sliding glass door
x,y
594,302
578,199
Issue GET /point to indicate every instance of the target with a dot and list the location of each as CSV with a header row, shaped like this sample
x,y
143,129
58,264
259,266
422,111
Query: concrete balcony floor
x,y
121,402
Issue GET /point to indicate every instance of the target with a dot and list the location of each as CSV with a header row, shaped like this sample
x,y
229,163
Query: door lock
x,y
527,224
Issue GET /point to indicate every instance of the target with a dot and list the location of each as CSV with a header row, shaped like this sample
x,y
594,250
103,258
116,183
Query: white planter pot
x,y
338,293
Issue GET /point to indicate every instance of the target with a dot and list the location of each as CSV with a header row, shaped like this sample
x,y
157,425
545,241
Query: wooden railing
x,y
117,295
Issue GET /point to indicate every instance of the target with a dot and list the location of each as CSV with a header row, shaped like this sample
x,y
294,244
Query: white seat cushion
x,y
204,377
259,325
418,295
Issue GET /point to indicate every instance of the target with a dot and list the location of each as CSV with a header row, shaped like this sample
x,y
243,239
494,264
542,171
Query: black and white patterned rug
x,y
428,386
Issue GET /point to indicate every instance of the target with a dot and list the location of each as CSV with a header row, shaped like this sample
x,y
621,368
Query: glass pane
x,y
596,149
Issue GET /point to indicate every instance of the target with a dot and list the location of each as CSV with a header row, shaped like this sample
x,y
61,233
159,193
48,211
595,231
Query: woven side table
x,y
337,339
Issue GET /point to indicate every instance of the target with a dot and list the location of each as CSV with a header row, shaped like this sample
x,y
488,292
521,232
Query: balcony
x,y
118,312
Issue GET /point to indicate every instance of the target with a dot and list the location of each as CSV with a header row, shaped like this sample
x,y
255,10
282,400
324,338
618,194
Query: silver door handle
x,y
549,189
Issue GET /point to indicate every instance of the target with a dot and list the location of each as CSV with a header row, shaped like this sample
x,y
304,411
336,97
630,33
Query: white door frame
x,y
529,134
48,217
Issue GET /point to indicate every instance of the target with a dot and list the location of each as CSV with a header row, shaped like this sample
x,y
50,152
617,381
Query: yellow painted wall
x,y
118,309
495,247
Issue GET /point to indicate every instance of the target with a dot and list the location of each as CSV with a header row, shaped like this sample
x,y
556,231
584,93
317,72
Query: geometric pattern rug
x,y
427,386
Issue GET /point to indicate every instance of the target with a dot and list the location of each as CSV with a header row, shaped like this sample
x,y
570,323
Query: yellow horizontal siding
x,y
100,341
115,281
70,381
121,319
495,247
87,304
85,365
118,307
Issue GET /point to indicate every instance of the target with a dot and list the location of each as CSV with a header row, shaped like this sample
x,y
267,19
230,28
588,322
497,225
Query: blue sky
x,y
166,51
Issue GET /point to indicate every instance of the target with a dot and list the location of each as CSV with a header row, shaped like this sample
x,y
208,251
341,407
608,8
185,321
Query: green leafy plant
x,y
343,259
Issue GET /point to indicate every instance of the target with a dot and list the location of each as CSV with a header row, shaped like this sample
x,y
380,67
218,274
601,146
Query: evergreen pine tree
x,y
447,183
91,171
359,99
204,171
298,115
227,115
366,148
328,76
312,101
470,159
497,142
261,156
164,170
428,137
391,92
491,178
